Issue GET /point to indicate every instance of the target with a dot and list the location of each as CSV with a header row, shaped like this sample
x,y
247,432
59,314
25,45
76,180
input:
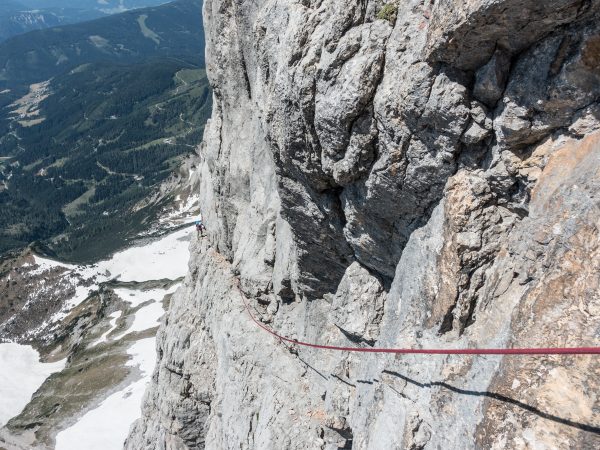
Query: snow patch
x,y
45,264
107,426
136,298
149,316
21,374
185,211
113,324
165,258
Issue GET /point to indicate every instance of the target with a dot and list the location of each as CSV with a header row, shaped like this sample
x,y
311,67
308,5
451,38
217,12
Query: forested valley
x,y
80,148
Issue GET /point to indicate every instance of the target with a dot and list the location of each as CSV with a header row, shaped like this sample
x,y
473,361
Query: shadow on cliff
x,y
498,397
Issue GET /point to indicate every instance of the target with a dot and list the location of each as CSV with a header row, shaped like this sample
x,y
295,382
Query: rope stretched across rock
x,y
430,351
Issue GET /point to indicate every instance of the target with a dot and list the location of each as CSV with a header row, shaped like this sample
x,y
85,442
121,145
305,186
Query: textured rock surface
x,y
431,181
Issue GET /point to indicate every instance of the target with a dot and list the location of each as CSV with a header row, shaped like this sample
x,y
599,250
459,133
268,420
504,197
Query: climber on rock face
x,y
200,228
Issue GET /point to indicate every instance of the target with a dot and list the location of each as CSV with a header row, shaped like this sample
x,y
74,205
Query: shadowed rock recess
x,y
427,175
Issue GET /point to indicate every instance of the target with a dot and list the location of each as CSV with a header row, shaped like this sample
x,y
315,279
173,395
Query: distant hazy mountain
x,y
17,18
89,4
169,30
93,118
107,5
20,16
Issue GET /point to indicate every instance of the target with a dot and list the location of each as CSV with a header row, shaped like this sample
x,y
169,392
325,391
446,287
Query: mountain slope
x,y
94,328
83,151
111,145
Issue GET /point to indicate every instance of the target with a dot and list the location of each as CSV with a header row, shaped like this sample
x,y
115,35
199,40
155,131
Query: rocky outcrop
x,y
427,178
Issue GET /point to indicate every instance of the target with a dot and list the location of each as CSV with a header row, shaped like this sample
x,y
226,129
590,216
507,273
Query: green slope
x,y
84,147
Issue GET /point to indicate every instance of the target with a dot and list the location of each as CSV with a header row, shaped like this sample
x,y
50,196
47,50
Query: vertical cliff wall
x,y
412,173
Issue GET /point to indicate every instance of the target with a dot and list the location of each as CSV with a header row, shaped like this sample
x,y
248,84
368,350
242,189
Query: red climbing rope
x,y
434,351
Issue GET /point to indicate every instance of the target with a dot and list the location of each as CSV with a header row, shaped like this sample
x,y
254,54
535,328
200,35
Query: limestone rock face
x,y
429,181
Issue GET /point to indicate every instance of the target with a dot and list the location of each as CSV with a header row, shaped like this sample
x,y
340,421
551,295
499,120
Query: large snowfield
x,y
106,426
21,374
163,259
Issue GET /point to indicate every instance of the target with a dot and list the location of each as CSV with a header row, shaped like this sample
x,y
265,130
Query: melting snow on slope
x,y
136,298
107,426
148,316
21,374
185,213
165,258
112,325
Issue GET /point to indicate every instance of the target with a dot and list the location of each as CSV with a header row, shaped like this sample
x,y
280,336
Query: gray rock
x,y
359,192
490,80
550,83
474,134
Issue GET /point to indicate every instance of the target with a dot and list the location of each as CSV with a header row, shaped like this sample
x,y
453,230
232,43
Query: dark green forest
x,y
95,141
